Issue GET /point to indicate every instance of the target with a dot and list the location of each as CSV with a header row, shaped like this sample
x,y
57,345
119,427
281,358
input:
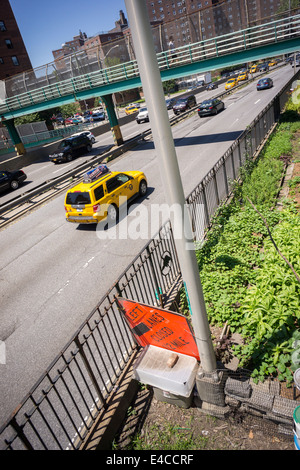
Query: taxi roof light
x,y
95,173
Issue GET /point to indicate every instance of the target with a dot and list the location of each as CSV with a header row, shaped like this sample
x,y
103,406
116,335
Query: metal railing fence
x,y
50,135
64,83
60,410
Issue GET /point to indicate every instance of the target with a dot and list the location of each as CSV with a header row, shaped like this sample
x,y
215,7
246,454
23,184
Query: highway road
x,y
54,273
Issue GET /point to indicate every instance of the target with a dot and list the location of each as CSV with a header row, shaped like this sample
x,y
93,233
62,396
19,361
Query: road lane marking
x,y
60,169
38,169
78,273
257,101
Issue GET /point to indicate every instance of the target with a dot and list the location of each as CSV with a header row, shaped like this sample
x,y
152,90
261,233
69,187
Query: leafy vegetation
x,y
66,111
245,281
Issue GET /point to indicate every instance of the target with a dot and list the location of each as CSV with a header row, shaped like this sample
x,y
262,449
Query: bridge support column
x,y
114,125
19,146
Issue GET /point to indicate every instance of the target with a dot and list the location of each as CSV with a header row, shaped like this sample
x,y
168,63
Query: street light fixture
x,y
167,159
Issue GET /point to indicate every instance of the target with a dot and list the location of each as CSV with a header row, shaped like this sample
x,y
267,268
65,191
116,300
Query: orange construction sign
x,y
163,328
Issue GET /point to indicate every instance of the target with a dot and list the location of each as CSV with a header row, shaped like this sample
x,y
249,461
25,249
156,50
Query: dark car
x,y
170,102
70,148
264,83
183,104
60,120
263,67
211,86
208,107
11,179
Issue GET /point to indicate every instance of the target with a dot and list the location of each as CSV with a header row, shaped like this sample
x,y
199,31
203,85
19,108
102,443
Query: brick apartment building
x,y
188,21
90,44
14,58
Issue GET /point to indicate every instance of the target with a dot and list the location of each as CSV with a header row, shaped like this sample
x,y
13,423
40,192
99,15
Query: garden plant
x,y
251,280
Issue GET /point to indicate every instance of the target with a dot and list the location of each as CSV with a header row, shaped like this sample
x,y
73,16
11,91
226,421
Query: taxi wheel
x,y
112,214
143,188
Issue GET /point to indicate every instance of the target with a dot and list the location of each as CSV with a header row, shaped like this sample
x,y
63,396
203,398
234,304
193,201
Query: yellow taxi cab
x,y
131,109
101,193
242,76
254,68
230,83
272,62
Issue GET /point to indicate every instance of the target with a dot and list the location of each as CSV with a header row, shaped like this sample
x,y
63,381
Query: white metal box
x,y
152,369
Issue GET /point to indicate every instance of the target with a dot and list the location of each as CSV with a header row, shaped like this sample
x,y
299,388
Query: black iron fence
x,y
60,410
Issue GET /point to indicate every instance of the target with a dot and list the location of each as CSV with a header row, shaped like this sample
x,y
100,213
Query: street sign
x,y
163,328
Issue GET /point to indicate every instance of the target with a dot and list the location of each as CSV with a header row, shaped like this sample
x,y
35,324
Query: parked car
x,y
170,102
131,109
254,68
11,179
77,119
58,119
87,118
183,104
69,120
98,110
242,76
208,107
212,86
101,193
143,115
137,105
70,148
264,83
232,82
98,117
89,134
263,67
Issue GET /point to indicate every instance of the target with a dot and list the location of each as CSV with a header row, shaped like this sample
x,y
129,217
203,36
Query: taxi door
x,y
119,189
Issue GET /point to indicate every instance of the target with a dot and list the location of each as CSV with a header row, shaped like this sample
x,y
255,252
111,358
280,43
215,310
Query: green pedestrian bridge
x,y
53,85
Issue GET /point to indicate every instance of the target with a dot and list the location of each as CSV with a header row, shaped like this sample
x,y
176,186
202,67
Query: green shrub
x,y
244,279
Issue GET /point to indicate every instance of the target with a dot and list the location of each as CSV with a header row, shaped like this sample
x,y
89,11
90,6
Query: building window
x,y
8,43
15,60
2,26
1,60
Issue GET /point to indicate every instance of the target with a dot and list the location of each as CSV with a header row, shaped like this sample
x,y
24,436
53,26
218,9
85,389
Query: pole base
x,y
20,149
210,386
118,139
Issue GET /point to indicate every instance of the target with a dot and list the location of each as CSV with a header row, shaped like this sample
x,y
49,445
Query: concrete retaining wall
x,y
43,152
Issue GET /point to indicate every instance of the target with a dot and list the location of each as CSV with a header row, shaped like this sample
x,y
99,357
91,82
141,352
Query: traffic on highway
x,y
57,271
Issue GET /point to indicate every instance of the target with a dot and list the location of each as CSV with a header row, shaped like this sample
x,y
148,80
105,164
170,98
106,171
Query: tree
x,y
287,5
169,86
36,117
68,110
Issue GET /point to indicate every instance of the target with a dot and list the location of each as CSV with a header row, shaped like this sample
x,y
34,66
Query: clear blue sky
x,y
46,25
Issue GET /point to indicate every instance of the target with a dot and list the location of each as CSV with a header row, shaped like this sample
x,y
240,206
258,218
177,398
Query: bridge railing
x,y
60,410
61,83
